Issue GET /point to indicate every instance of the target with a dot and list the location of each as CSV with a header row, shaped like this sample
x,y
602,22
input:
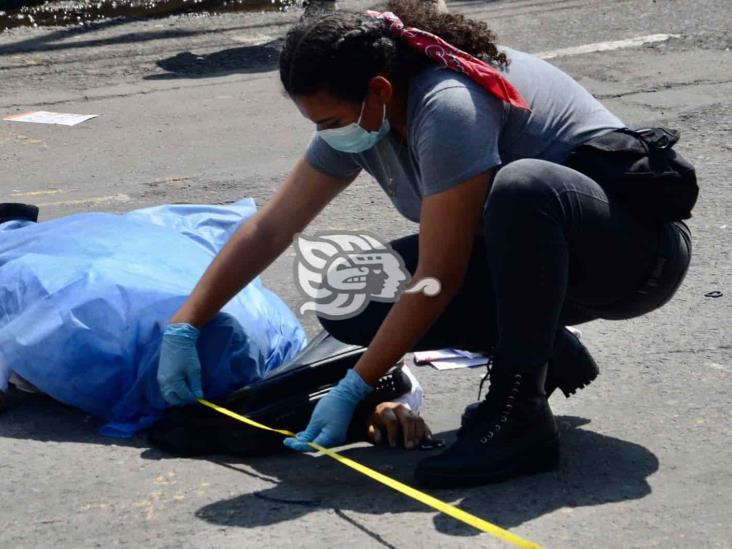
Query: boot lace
x,y
497,406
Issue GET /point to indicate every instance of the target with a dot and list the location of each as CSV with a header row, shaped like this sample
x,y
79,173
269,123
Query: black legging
x,y
554,250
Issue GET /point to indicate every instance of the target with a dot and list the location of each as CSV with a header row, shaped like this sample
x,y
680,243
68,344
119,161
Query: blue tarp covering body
x,y
84,300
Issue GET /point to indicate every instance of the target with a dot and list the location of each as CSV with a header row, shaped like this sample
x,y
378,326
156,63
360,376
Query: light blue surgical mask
x,y
353,138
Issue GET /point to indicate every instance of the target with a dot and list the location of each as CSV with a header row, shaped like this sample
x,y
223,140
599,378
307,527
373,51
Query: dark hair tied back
x,y
340,52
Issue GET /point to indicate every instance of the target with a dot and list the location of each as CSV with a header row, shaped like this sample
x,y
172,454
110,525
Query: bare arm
x,y
448,222
260,240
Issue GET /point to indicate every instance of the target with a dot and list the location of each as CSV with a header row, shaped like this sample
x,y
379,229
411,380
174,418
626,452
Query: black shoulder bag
x,y
640,167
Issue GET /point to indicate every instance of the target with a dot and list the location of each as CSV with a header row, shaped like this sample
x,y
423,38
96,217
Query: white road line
x,y
96,200
255,40
37,193
550,54
607,46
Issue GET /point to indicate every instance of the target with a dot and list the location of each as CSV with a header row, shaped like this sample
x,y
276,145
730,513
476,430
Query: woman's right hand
x,y
179,369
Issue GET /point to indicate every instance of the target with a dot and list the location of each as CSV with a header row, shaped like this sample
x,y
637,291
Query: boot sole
x,y
539,459
582,370
570,389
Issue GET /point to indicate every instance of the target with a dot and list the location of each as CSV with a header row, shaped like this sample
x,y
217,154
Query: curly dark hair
x,y
340,52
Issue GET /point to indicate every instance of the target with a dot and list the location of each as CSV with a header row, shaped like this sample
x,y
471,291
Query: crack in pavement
x,y
662,87
689,351
102,97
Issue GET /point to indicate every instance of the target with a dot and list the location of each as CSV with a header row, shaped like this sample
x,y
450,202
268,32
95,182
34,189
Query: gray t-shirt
x,y
457,129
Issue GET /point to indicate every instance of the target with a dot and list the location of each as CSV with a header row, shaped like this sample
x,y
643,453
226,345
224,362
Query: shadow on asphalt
x,y
59,40
595,470
39,417
244,59
55,40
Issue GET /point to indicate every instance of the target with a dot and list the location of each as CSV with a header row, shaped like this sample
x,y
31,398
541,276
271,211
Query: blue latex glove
x,y
179,369
332,415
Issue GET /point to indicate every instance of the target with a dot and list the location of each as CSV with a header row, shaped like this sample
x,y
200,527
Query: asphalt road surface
x,y
191,110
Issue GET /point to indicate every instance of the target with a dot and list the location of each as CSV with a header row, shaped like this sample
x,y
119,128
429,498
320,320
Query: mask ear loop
x,y
360,116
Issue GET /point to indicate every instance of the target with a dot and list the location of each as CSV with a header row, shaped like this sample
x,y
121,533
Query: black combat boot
x,y
512,432
570,368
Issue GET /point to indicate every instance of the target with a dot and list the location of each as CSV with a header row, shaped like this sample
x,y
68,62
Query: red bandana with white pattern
x,y
450,57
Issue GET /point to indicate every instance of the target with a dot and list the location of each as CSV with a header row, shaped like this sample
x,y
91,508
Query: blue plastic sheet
x,y
84,300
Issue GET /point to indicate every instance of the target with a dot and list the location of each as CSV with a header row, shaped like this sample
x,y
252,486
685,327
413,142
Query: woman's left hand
x,y
395,424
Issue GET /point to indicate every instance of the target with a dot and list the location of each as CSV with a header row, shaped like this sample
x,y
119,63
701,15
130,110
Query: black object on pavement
x,y
283,400
10,211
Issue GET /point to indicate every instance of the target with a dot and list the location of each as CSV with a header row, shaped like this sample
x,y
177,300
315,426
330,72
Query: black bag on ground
x,y
641,168
284,400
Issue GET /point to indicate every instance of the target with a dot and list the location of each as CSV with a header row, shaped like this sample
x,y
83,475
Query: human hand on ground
x,y
395,424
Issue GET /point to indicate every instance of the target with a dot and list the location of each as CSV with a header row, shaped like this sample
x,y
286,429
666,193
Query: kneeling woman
x,y
471,145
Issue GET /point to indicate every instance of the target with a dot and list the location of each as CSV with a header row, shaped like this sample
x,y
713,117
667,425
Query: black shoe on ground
x,y
511,433
10,211
571,366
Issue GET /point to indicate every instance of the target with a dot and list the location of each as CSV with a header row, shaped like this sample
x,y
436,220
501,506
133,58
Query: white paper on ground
x,y
449,359
425,357
468,354
46,117
452,359
455,363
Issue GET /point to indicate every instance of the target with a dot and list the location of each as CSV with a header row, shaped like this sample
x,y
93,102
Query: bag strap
x,y
657,138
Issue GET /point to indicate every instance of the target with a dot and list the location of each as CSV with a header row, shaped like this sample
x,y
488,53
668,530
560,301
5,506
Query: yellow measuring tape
x,y
450,510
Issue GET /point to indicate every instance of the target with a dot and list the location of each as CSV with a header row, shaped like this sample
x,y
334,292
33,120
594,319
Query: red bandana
x,y
453,58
